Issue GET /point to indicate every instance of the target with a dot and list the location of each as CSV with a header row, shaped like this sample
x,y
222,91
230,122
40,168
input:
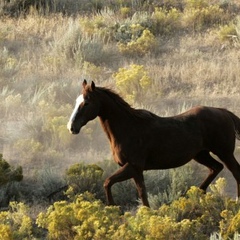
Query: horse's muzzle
x,y
71,129
74,131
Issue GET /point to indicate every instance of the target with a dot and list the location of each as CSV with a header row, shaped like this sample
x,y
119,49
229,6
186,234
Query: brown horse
x,y
141,140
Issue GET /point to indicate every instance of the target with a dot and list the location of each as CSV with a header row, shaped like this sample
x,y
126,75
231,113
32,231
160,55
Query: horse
x,y
141,140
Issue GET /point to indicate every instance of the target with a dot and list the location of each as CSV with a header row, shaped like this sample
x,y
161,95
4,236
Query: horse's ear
x,y
92,85
84,84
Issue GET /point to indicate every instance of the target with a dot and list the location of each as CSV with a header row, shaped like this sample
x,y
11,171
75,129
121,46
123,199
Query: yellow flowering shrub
x,y
81,177
85,218
16,223
219,187
166,21
138,46
196,3
229,33
125,12
196,216
230,223
5,232
199,18
162,224
133,81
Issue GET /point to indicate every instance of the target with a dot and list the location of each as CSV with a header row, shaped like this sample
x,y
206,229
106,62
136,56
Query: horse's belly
x,y
168,157
166,163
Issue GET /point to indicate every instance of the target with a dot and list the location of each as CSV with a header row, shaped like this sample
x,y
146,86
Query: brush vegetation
x,y
165,56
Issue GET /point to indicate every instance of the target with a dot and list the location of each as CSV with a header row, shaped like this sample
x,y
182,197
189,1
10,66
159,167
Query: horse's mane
x,y
140,113
114,96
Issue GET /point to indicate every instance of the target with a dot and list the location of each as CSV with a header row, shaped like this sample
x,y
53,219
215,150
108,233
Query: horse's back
x,y
180,138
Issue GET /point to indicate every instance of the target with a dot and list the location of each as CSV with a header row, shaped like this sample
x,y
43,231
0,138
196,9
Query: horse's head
x,y
86,108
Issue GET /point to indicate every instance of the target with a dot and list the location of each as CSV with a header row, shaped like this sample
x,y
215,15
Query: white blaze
x,y
79,100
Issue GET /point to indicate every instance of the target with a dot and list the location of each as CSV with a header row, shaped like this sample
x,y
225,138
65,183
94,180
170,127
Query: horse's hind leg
x,y
139,181
214,166
232,164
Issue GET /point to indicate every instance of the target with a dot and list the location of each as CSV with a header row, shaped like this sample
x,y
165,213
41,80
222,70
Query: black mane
x,y
140,113
115,97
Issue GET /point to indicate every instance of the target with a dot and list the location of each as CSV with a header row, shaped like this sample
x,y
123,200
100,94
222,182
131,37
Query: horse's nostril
x,y
72,130
70,127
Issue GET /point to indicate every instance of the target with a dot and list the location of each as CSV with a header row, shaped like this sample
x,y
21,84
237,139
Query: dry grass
x,y
194,66
43,60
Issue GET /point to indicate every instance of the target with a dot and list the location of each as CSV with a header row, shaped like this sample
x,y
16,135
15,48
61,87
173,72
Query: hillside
x,y
165,56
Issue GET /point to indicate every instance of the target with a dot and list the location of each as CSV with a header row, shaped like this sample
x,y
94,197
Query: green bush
x,y
81,178
9,176
8,173
165,186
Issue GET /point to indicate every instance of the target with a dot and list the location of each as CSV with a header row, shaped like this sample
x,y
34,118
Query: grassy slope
x,y
43,60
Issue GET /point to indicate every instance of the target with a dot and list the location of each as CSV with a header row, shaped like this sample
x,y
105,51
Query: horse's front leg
x,y
124,173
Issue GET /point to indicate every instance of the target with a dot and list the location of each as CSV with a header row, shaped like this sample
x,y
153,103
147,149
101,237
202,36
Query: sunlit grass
x,y
44,59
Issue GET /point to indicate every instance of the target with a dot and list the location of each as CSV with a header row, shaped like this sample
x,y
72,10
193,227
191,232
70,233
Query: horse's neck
x,y
113,120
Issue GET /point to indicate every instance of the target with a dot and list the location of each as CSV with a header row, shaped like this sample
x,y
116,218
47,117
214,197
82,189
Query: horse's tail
x,y
236,121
